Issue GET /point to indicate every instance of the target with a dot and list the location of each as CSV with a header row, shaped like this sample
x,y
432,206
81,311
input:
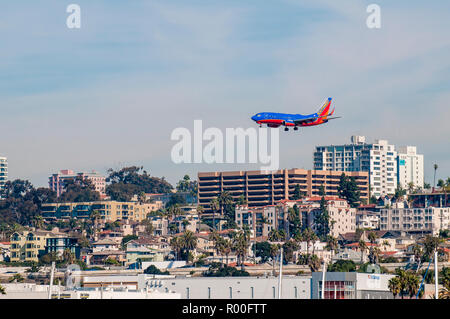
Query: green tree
x,y
176,243
2,290
298,194
322,220
348,189
342,265
153,270
16,278
241,242
133,180
79,190
189,241
395,286
263,250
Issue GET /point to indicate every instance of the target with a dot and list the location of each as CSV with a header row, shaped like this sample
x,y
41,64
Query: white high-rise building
x,y
3,174
378,158
410,167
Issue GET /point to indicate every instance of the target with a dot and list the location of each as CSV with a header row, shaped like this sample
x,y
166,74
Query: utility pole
x,y
323,281
436,292
281,273
52,273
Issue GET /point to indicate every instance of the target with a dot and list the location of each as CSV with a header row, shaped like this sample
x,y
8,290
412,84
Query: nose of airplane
x,y
254,117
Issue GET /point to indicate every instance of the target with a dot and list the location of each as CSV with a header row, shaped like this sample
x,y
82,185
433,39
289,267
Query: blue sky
x,y
110,94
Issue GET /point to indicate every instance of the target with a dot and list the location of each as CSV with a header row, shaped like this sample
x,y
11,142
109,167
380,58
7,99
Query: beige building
x,y
110,211
260,220
30,245
416,220
261,188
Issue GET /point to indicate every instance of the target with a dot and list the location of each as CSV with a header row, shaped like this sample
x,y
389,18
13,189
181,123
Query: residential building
x,y
410,167
415,220
31,245
57,181
379,159
351,285
110,211
342,216
3,174
144,249
105,244
262,188
367,220
59,244
260,220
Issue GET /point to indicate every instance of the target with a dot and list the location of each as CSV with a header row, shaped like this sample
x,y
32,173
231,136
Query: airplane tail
x,y
323,111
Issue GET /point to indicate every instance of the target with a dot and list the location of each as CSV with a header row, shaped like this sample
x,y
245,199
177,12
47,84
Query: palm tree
x,y
273,253
276,235
215,206
95,216
240,245
332,244
417,251
308,236
176,243
314,263
394,286
189,242
445,186
362,247
68,256
38,222
224,199
226,247
149,228
385,244
435,166
412,284
410,187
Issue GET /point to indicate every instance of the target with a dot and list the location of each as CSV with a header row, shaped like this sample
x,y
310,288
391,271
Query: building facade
x,y
3,174
410,167
57,181
110,211
368,220
268,188
260,220
31,245
351,285
379,159
415,220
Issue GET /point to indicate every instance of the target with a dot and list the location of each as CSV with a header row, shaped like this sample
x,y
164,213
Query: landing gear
x,y
286,129
296,128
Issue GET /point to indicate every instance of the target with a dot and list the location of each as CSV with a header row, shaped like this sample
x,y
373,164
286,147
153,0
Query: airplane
x,y
295,120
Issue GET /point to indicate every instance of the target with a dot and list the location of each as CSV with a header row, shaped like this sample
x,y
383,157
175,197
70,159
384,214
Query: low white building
x,y
427,220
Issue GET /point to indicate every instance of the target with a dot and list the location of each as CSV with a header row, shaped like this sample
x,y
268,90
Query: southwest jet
x,y
295,120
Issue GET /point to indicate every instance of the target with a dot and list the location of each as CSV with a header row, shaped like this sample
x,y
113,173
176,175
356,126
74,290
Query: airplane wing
x,y
313,119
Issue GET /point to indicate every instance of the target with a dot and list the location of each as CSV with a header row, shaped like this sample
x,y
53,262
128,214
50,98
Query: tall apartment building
x,y
416,220
57,181
262,188
3,174
410,167
379,159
